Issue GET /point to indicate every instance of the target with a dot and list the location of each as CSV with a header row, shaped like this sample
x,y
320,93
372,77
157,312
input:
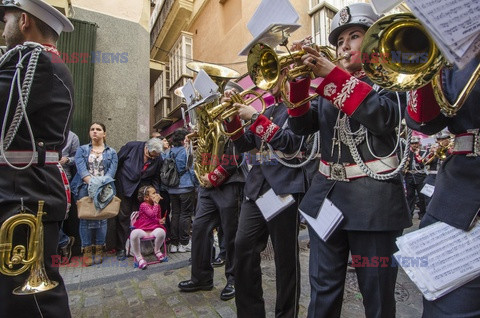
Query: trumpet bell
x,y
263,66
398,54
37,282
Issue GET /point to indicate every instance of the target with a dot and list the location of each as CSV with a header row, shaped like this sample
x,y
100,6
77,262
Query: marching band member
x,y
455,200
358,172
433,161
218,201
415,174
253,229
48,108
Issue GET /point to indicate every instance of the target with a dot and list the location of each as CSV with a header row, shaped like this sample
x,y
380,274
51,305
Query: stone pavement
x,y
116,289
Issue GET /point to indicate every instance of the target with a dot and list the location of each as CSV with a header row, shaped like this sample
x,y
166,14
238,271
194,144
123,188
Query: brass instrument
x,y
210,136
265,66
26,257
441,153
407,59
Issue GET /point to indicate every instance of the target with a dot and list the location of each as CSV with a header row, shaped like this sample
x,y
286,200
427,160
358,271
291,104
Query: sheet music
x,y
454,26
188,92
327,219
271,204
272,12
428,190
453,257
204,84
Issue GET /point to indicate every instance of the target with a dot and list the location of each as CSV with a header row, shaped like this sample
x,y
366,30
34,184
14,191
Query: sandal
x,y
160,256
142,264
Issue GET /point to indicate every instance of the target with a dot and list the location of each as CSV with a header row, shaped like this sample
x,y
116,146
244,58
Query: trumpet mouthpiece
x,y
347,56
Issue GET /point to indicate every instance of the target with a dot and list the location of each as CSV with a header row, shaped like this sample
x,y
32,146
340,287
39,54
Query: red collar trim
x,y
51,48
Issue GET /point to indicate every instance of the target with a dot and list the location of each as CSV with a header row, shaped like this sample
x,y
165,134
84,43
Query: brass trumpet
x,y
408,59
28,257
265,66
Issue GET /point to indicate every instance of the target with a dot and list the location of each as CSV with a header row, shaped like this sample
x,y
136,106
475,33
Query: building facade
x,y
212,31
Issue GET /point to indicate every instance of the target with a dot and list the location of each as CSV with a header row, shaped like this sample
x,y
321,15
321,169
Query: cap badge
x,y
344,15
7,2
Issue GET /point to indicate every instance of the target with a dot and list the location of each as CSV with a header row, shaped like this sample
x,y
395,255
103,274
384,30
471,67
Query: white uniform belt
x,y
346,171
24,157
467,144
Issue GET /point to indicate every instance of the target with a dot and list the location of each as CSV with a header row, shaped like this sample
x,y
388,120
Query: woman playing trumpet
x,y
358,172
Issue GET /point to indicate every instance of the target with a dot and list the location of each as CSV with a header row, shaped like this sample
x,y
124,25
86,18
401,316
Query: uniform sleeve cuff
x,y
299,90
343,90
218,176
264,128
234,125
422,105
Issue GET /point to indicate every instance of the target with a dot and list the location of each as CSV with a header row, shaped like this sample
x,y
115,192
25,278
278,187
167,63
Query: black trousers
x,y
181,221
328,265
215,206
118,228
251,240
414,184
31,185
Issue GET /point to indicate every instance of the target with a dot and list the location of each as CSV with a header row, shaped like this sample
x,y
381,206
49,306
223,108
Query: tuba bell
x,y
15,260
402,57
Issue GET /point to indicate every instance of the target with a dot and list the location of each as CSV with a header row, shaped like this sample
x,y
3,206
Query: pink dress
x,y
148,217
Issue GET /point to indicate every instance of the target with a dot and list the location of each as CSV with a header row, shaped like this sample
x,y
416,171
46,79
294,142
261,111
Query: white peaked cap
x,y
41,10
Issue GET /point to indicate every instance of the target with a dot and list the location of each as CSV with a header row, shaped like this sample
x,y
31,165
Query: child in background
x,y
148,223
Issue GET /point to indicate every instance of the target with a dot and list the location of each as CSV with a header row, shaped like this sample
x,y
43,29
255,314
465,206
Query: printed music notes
x,y
451,257
454,26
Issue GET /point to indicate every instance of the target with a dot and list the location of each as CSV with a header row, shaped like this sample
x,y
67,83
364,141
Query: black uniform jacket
x,y
366,203
131,173
49,109
456,199
262,176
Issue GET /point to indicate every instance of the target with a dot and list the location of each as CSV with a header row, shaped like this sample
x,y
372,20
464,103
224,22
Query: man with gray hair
x,y
139,164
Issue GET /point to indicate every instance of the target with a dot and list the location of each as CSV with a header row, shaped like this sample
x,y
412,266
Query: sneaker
x,y
181,248
173,248
142,264
188,247
66,251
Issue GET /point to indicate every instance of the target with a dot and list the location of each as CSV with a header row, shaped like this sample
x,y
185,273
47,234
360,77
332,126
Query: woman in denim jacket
x,y
93,160
182,197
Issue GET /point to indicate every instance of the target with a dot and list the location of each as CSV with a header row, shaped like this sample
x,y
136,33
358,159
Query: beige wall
x,y
220,31
121,90
133,10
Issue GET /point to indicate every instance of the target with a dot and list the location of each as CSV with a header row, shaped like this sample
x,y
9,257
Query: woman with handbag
x,y
95,159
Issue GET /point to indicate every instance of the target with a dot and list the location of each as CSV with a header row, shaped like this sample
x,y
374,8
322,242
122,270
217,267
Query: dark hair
x,y
178,137
142,192
100,124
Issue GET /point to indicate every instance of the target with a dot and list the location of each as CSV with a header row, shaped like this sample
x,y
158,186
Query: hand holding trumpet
x,y
319,65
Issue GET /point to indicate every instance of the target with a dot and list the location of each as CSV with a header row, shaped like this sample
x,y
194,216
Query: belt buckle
x,y
338,172
476,143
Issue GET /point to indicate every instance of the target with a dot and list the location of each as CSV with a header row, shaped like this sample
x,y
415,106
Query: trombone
x,y
404,33
265,66
27,257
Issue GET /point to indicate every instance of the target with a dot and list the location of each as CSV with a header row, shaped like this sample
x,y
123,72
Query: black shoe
x,y
121,256
218,262
191,286
66,251
228,292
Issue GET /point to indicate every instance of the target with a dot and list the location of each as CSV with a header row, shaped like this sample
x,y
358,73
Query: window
x,y
321,23
158,89
180,54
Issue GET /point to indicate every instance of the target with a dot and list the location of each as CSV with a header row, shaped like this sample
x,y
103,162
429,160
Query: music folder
x,y
328,219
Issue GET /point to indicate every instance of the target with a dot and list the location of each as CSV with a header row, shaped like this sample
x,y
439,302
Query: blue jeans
x,y
62,237
90,228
